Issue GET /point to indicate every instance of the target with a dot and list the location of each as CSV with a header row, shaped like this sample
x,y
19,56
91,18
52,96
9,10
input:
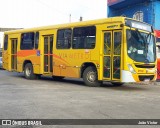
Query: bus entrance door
x,y
14,54
48,54
112,55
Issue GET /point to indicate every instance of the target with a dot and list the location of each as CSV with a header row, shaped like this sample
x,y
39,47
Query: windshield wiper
x,y
143,39
148,35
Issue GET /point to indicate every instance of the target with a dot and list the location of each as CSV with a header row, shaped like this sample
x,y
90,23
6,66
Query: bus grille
x,y
142,78
145,66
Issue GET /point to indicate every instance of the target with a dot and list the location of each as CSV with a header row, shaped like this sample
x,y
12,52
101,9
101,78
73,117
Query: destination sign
x,y
139,25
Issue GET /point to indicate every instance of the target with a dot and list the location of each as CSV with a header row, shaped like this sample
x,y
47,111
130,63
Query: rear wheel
x,y
90,77
28,72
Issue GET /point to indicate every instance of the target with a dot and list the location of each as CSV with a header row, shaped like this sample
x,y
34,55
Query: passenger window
x,y
84,37
117,43
27,41
64,39
5,42
36,40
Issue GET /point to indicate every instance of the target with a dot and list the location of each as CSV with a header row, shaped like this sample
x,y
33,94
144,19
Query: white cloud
x,y
29,13
33,13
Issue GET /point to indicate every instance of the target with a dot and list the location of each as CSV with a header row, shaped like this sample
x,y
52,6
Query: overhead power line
x,y
55,9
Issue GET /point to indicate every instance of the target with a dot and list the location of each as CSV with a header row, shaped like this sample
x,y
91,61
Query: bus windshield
x,y
141,46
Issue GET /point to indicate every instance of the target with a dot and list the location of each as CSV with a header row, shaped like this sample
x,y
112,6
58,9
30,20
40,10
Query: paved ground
x,y
70,99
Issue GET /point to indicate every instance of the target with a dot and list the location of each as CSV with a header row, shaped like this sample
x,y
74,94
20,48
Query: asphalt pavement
x,y
71,99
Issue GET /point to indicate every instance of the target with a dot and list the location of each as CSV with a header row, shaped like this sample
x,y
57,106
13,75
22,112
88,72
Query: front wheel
x,y
90,77
28,72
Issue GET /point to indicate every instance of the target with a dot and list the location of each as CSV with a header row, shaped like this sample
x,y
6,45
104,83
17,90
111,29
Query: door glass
x,y
45,63
117,55
116,67
117,43
106,68
45,45
12,46
14,54
51,52
107,43
51,44
46,54
107,55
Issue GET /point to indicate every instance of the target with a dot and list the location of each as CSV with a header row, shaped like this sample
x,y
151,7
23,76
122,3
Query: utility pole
x,y
69,18
81,18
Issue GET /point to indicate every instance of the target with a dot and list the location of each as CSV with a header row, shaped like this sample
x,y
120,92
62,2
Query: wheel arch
x,y
85,65
26,62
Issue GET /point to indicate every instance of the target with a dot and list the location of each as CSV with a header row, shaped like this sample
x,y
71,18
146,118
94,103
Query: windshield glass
x,y
141,46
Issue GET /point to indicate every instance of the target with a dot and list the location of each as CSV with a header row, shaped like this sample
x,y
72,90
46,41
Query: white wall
x,y
1,39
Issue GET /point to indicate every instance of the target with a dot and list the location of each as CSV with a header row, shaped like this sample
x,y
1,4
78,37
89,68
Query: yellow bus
x,y
117,50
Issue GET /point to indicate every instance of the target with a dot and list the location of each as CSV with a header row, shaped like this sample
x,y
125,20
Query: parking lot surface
x,y
71,99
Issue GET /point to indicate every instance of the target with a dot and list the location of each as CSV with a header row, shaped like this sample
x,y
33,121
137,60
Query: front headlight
x,y
131,69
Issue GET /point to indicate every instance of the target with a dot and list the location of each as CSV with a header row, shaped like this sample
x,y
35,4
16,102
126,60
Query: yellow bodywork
x,y
69,62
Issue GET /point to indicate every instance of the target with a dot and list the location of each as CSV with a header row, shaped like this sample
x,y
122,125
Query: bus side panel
x,y
97,52
70,72
31,56
36,69
68,62
5,59
19,67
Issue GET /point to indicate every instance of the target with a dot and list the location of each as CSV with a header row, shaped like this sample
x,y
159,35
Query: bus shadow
x,y
125,87
105,85
79,82
50,79
65,80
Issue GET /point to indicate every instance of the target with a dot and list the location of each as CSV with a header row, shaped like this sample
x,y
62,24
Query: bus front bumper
x,y
127,76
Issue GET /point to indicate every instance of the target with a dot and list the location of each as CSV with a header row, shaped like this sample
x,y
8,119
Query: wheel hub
x,y
91,76
28,71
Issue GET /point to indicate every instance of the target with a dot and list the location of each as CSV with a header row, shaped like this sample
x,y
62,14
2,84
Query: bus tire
x,y
90,77
28,72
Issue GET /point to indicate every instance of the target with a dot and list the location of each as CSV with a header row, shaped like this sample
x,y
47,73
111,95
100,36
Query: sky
x,y
34,13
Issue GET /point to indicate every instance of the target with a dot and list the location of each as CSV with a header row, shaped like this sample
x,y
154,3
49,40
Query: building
x,y
143,10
